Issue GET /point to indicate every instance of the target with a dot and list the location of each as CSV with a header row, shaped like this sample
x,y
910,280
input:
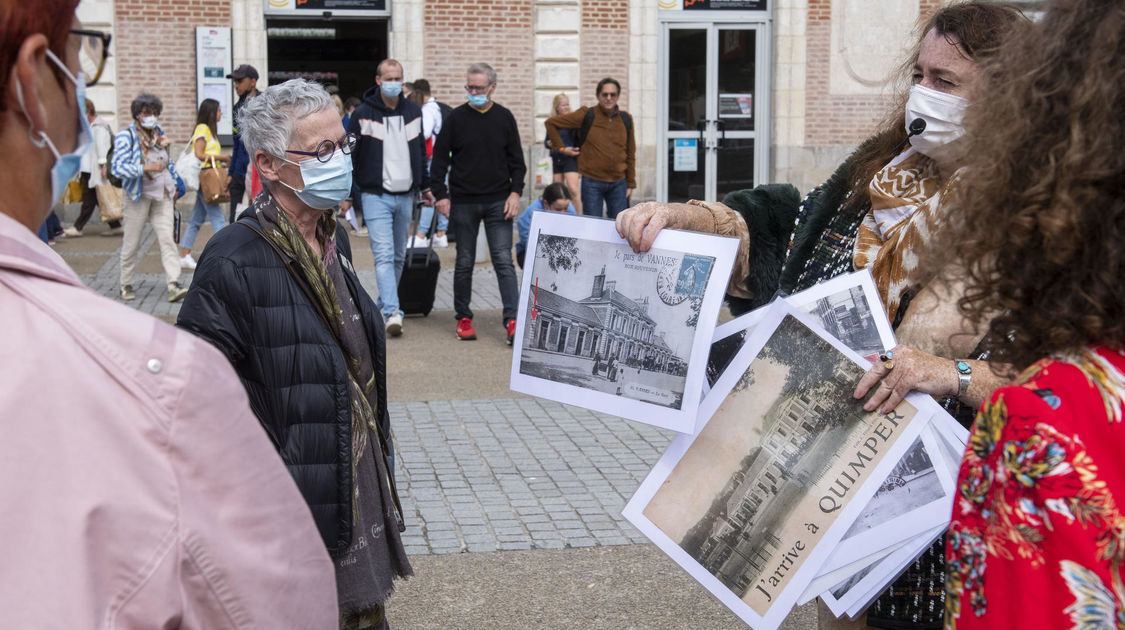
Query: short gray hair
x,y
483,68
266,122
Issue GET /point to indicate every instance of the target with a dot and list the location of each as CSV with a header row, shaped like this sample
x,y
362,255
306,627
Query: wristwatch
x,y
964,376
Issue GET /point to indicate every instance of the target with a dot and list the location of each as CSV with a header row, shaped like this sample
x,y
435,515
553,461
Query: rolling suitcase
x,y
419,273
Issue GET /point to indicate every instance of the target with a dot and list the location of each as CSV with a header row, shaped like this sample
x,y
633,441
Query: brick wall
x,y
834,119
154,46
461,32
605,48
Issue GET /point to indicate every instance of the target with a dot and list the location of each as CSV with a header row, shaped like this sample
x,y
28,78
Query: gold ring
x,y
889,364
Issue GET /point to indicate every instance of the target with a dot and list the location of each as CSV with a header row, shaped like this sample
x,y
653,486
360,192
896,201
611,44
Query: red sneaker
x,y
465,330
511,326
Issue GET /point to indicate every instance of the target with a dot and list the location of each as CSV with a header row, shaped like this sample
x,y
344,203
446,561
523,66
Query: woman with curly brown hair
x,y
1037,534
877,212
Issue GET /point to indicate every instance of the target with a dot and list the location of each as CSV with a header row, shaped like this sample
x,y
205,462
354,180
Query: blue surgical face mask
x,y
391,88
66,165
478,100
326,183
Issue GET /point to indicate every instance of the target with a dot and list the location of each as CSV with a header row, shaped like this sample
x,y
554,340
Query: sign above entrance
x,y
319,7
712,5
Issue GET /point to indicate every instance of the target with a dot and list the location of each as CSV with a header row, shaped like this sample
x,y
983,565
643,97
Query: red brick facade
x,y
836,119
461,32
604,40
154,48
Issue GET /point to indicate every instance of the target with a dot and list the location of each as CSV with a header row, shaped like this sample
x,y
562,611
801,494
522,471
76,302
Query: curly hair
x,y
977,29
1038,218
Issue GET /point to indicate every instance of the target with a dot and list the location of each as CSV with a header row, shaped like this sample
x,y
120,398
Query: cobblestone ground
x,y
487,475
503,474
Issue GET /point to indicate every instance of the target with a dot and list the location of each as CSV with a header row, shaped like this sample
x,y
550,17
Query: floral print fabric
x,y
1038,538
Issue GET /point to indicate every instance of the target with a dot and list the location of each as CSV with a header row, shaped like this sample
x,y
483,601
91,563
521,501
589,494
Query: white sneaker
x,y
187,262
416,241
72,231
441,241
362,231
394,325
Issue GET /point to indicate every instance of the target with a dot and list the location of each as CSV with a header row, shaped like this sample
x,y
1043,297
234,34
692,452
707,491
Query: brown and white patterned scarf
x,y
905,195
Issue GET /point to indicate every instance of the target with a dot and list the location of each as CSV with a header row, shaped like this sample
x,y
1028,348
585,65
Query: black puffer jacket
x,y
244,302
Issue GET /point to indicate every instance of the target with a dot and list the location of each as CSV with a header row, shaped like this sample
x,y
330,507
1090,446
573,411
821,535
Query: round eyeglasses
x,y
93,51
325,149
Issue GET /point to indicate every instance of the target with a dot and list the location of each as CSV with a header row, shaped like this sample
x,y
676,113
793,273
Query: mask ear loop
x,y
42,140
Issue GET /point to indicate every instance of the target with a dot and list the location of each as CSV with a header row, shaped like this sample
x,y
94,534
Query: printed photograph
x,y
754,480
912,484
846,314
605,319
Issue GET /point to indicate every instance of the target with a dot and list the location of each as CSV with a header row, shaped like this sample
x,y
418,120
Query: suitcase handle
x,y
415,218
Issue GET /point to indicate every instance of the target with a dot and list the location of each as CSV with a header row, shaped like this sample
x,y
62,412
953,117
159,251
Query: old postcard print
x,y
611,330
753,504
915,497
847,307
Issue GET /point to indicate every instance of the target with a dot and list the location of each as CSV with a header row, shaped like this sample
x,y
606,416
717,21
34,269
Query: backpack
x,y
445,110
588,121
114,180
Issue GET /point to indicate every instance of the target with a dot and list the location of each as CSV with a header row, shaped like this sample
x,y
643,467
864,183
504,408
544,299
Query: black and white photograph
x,y
915,497
754,504
601,323
847,307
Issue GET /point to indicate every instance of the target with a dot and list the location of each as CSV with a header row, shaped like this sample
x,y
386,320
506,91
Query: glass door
x,y
715,93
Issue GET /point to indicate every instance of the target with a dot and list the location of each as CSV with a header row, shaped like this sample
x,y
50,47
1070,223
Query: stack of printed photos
x,y
780,488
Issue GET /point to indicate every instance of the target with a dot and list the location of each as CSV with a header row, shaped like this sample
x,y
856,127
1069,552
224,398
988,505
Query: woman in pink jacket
x,y
127,503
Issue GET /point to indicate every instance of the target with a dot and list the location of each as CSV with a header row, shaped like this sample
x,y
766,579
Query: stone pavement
x,y
507,474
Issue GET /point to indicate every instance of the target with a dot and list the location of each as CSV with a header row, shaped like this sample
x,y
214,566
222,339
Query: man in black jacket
x,y
390,169
480,145
277,294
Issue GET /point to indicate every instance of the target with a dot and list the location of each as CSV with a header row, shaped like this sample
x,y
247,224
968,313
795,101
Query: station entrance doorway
x,y
337,51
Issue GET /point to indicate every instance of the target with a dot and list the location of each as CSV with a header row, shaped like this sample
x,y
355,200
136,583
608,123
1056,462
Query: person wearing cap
x,y
245,79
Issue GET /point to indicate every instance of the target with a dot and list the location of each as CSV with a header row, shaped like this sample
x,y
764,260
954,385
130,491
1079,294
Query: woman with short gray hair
x,y
277,294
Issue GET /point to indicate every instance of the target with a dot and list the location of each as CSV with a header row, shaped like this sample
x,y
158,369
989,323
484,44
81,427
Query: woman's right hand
x,y
570,151
641,224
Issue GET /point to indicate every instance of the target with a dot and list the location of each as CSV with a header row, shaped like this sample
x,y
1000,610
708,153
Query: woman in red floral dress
x,y
1038,532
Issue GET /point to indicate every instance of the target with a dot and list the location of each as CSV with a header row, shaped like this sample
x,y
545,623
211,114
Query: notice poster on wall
x,y
685,155
212,65
736,106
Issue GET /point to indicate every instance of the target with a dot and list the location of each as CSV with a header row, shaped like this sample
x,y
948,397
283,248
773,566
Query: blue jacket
x,y
524,222
239,158
128,162
368,123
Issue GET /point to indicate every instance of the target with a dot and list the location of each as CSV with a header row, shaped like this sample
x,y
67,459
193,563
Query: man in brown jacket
x,y
606,150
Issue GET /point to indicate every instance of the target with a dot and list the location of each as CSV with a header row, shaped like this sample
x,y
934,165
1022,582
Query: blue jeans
x,y
427,216
202,211
388,220
614,194
466,219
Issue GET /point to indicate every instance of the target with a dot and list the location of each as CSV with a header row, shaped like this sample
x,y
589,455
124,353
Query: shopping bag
x,y
213,184
187,166
109,202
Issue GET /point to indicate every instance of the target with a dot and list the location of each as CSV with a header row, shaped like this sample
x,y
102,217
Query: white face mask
x,y
943,114
148,122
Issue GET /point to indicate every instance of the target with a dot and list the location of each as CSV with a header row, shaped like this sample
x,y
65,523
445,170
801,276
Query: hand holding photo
x,y
753,505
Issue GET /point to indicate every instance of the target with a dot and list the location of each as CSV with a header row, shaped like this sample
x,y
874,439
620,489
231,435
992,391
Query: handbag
x,y
73,191
213,184
187,167
109,202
